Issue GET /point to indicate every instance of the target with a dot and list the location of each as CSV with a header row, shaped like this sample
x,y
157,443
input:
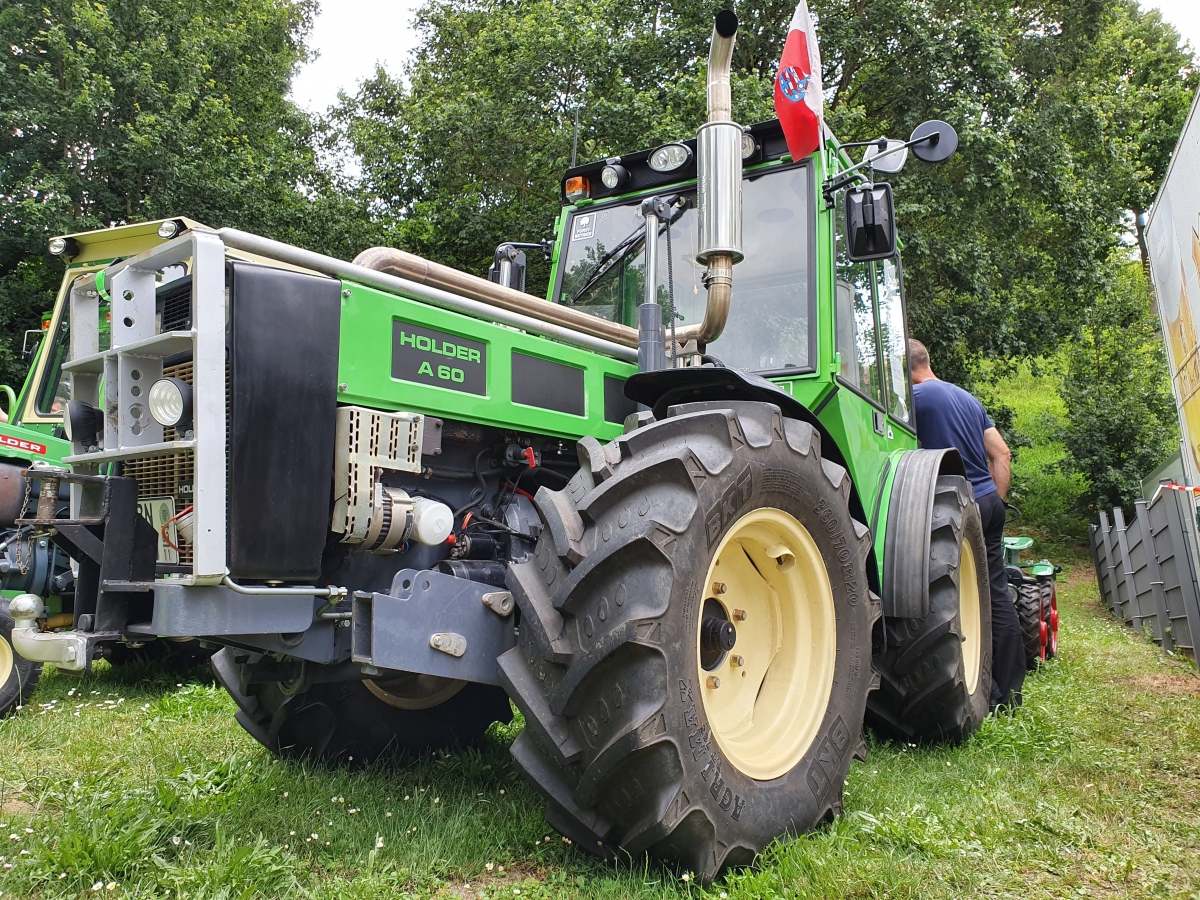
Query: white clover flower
x,y
98,886
29,831
437,799
723,895
112,885
378,842
175,840
389,815
490,866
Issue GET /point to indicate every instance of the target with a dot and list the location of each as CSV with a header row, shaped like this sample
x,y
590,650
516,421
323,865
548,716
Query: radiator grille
x,y
171,475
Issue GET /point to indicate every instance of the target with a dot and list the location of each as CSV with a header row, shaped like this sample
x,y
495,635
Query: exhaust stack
x,y
719,186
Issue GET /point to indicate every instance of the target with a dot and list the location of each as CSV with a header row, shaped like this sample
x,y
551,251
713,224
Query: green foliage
x,y
140,109
1121,420
1048,497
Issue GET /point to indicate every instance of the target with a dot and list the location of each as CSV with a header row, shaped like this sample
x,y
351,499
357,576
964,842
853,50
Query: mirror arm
x,y
846,177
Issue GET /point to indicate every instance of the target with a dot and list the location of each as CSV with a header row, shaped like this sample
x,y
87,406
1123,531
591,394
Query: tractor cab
x,y
600,264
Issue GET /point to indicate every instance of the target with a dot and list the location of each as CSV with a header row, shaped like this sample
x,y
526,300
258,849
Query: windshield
x,y
771,308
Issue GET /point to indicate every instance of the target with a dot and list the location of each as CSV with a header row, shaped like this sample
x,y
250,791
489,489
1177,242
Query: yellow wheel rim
x,y
765,696
968,614
6,661
414,691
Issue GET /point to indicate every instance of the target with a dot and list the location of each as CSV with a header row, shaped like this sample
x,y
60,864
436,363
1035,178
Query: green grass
x,y
1091,789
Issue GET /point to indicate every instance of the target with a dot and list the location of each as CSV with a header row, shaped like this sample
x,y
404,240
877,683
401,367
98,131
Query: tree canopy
x,y
141,109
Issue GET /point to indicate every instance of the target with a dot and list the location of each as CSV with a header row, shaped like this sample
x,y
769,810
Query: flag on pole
x,y
798,86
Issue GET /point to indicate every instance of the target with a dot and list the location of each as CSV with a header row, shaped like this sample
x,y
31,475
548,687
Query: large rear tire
x,y
936,672
18,676
355,722
694,652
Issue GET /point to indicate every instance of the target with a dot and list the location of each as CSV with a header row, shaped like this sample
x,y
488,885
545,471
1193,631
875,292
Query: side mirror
x,y
889,159
934,141
870,223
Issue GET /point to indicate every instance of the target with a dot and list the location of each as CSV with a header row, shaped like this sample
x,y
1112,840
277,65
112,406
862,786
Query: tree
x,y
1121,419
1066,113
141,109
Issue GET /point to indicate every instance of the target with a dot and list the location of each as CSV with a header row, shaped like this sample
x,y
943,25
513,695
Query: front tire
x,y
936,672
18,676
355,722
714,543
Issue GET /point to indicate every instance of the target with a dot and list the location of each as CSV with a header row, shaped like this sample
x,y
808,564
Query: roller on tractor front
x,y
675,511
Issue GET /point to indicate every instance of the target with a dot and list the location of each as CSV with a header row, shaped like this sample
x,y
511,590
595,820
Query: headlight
x,y
170,401
670,157
60,246
168,229
749,145
614,176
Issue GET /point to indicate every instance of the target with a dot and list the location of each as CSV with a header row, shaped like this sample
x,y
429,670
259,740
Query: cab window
x,y
768,330
855,320
892,338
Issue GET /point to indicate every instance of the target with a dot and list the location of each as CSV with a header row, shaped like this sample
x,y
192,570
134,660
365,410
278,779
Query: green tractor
x,y
675,512
1033,586
34,436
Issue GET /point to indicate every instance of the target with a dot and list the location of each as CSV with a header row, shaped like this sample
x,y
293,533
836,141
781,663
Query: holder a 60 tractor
x,y
675,512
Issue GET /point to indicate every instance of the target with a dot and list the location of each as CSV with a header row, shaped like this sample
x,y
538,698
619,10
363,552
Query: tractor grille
x,y
172,475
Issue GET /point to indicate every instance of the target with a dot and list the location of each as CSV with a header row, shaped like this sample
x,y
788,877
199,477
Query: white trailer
x,y
1173,240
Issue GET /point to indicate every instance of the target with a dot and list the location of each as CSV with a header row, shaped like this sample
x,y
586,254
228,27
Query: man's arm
x,y
999,460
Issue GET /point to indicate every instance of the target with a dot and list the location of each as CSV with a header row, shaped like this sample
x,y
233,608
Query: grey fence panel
x,y
1104,565
1177,569
1126,595
1150,603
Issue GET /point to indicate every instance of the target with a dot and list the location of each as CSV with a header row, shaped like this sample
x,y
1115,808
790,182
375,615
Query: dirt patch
x,y
12,804
1166,685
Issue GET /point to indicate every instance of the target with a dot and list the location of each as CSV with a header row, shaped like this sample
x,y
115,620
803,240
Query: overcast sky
x,y
352,35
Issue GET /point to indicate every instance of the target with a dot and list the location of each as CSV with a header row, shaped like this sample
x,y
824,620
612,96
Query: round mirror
x,y
940,141
891,160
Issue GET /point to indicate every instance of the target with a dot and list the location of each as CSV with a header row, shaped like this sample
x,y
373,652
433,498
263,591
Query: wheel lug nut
x,y
736,661
713,681
739,615
718,587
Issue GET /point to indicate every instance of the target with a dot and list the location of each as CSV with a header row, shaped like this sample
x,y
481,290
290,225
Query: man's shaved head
x,y
918,356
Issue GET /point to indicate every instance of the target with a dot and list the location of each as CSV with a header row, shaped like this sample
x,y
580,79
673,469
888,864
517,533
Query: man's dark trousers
x,y
1008,648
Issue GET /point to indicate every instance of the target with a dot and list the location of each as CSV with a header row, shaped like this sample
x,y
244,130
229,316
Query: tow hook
x,y
64,650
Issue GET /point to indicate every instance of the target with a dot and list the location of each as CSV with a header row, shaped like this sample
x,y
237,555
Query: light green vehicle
x,y
34,435
675,511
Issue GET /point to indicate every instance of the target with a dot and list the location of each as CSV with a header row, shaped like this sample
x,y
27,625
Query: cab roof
x,y
769,145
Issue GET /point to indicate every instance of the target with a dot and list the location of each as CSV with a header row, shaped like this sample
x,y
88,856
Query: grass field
x,y
145,787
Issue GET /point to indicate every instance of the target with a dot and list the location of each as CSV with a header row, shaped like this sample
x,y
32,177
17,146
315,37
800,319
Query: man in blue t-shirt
x,y
948,416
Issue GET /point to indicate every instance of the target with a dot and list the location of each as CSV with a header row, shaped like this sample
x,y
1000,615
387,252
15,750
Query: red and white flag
x,y
798,86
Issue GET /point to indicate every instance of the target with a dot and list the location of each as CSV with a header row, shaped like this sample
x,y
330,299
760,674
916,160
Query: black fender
x,y
664,388
909,519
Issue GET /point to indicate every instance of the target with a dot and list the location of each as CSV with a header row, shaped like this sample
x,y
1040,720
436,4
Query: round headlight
x,y
58,246
749,145
670,157
168,229
614,176
170,401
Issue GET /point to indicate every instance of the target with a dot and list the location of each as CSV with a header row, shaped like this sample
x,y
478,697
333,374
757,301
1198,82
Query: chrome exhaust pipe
x,y
719,187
